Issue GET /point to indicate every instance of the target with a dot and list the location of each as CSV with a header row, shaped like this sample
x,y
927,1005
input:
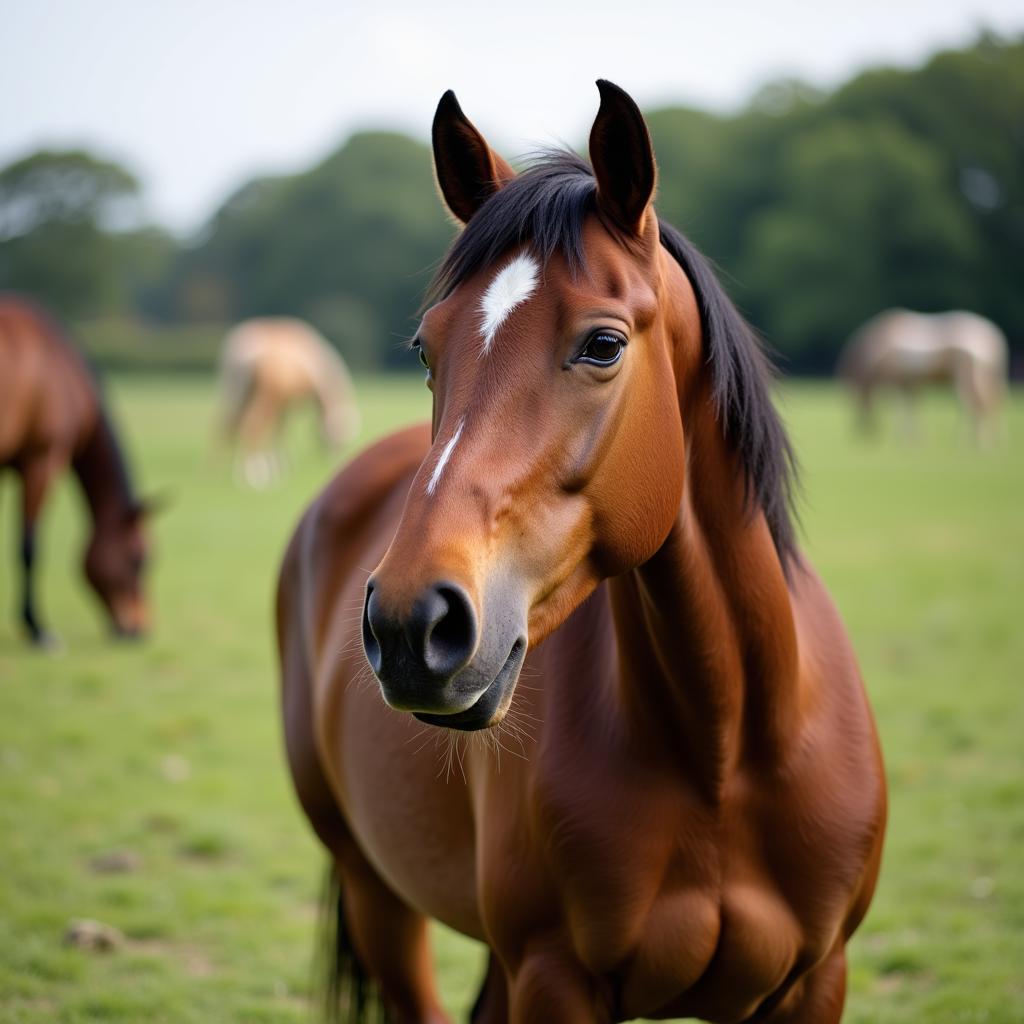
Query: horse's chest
x,y
636,874
649,899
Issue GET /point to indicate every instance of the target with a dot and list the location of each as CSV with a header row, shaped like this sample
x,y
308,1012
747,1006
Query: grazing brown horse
x,y
270,365
52,417
680,809
903,350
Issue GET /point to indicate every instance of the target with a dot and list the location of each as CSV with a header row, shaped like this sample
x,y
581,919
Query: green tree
x,y
969,106
349,245
865,221
57,215
902,187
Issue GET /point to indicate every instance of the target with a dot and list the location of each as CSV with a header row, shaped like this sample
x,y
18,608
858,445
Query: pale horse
x,y
901,350
268,366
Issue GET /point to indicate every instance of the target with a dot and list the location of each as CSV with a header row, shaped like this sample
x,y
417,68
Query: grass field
x,y
170,749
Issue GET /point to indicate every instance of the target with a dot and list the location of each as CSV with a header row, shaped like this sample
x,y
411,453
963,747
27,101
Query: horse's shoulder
x,y
836,722
836,745
364,484
363,497
345,530
820,629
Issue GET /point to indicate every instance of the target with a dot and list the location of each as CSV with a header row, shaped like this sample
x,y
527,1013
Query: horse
x,y
623,739
903,350
268,366
52,416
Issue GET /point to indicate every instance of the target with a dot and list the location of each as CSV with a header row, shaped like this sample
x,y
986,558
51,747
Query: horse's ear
x,y
153,504
468,170
623,159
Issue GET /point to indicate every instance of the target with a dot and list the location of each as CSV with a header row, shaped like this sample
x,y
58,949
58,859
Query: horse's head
x,y
115,560
553,354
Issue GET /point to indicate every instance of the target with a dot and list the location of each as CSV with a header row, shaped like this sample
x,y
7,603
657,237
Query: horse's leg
x,y
907,391
277,447
817,998
389,939
236,383
969,397
864,398
491,1006
551,986
36,476
998,419
255,426
984,393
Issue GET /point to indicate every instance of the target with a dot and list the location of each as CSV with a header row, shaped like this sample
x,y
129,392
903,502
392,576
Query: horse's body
x,y
270,365
903,350
52,417
679,811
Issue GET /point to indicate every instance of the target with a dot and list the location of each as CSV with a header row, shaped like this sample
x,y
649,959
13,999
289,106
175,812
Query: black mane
x,y
546,207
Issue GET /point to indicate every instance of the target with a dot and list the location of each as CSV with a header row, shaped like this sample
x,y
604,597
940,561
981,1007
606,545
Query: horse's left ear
x,y
153,504
468,170
623,159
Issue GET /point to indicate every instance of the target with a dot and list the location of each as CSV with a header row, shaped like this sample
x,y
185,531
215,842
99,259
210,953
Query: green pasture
x,y
170,751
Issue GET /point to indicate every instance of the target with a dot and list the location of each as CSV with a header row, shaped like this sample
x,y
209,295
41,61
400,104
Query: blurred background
x,y
167,170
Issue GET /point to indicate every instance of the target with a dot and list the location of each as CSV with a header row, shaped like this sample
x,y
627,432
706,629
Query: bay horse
x,y
662,794
269,365
52,417
902,350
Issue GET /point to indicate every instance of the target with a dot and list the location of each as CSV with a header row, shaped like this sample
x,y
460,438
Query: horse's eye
x,y
603,348
422,355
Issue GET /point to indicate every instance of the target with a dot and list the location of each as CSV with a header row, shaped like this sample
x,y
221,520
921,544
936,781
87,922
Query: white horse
x,y
268,366
902,350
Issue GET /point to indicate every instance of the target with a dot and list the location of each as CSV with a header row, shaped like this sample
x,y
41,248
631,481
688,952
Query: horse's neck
x,y
708,662
101,471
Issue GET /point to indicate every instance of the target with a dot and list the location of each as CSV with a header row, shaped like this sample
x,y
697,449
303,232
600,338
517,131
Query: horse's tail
x,y
350,995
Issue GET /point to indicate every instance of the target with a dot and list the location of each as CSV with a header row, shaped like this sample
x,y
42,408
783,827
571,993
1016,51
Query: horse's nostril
x,y
431,643
371,645
452,636
442,629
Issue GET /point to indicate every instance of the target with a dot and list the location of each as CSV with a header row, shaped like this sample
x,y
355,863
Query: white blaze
x,y
446,454
512,286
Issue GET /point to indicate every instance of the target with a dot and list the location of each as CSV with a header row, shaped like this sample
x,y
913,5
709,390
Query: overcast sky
x,y
198,95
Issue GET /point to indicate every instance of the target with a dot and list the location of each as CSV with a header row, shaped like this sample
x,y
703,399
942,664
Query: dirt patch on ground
x,y
94,936
115,862
192,959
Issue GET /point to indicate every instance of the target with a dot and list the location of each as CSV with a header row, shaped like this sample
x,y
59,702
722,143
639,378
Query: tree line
x,y
900,188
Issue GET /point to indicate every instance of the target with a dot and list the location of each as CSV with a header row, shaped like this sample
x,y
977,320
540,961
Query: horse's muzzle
x,y
438,662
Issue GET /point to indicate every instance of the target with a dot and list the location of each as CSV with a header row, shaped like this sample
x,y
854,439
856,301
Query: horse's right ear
x,y
468,170
151,505
623,159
